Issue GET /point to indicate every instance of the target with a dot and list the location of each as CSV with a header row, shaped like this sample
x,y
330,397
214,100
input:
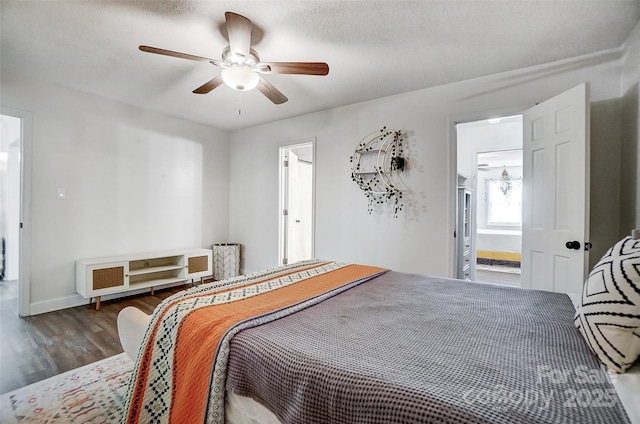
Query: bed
x,y
322,341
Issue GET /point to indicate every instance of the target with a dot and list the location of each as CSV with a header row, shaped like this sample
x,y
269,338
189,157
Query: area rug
x,y
94,393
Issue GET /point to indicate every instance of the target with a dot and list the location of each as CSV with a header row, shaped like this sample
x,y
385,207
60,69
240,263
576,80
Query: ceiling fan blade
x,y
271,92
178,54
208,86
302,68
239,31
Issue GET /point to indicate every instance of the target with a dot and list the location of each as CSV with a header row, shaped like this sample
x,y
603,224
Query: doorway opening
x,y
296,203
10,198
490,175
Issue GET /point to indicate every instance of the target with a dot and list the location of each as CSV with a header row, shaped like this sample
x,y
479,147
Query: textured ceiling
x,y
374,48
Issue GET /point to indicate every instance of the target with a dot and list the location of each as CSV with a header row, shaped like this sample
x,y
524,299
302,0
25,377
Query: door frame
x,y
24,279
453,169
281,190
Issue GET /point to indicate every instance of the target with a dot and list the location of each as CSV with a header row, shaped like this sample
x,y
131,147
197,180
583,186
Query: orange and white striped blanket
x,y
180,372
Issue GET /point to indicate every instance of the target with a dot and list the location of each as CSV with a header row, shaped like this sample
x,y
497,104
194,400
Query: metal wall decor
x,y
373,163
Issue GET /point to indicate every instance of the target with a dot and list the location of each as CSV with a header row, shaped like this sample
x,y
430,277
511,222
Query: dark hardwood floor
x,y
41,346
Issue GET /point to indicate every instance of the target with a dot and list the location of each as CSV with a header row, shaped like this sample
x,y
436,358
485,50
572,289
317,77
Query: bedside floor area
x,y
41,346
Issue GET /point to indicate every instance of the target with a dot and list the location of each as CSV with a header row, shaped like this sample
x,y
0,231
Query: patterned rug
x,y
90,394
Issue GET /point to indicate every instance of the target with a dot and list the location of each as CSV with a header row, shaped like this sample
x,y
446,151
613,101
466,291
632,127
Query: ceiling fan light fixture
x,y
240,78
241,64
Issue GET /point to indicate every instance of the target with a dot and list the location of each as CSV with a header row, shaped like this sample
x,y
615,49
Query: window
x,y
504,209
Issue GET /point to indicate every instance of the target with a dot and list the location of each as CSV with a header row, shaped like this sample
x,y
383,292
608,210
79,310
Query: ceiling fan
x,y
241,64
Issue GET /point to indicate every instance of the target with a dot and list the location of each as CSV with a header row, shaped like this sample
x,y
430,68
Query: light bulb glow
x,y
240,78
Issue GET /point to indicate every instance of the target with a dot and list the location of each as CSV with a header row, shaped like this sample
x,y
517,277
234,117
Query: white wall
x,y
630,164
420,240
139,181
135,181
477,137
606,169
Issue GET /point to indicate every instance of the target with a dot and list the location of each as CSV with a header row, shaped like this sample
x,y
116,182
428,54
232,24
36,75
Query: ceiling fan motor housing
x,y
250,61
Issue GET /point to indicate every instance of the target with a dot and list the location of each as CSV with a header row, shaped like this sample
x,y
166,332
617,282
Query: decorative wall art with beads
x,y
374,162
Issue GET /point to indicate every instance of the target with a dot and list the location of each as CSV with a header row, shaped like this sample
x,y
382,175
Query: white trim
x,y
24,279
77,300
451,254
58,304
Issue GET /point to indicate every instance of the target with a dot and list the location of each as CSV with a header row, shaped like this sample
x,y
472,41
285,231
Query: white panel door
x,y
555,224
296,196
304,219
293,207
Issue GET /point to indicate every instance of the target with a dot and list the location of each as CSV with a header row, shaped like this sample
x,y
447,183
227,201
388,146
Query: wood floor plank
x,y
41,346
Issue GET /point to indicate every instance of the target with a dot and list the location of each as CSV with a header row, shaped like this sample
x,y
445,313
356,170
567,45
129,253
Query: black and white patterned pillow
x,y
608,315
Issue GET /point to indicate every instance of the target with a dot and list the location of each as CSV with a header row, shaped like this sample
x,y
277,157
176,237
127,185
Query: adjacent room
x,y
490,175
320,211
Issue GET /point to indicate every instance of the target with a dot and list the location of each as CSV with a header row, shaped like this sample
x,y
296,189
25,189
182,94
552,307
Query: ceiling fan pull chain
x,y
238,104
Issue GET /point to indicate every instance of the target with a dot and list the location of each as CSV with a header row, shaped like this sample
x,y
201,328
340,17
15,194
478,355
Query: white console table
x,y
96,277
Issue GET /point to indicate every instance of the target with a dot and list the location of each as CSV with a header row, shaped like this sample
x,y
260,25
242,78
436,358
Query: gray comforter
x,y
405,348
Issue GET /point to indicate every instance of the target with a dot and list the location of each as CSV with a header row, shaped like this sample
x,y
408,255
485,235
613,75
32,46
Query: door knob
x,y
575,245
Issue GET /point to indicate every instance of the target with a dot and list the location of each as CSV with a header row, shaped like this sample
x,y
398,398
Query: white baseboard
x,y
77,300
45,306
